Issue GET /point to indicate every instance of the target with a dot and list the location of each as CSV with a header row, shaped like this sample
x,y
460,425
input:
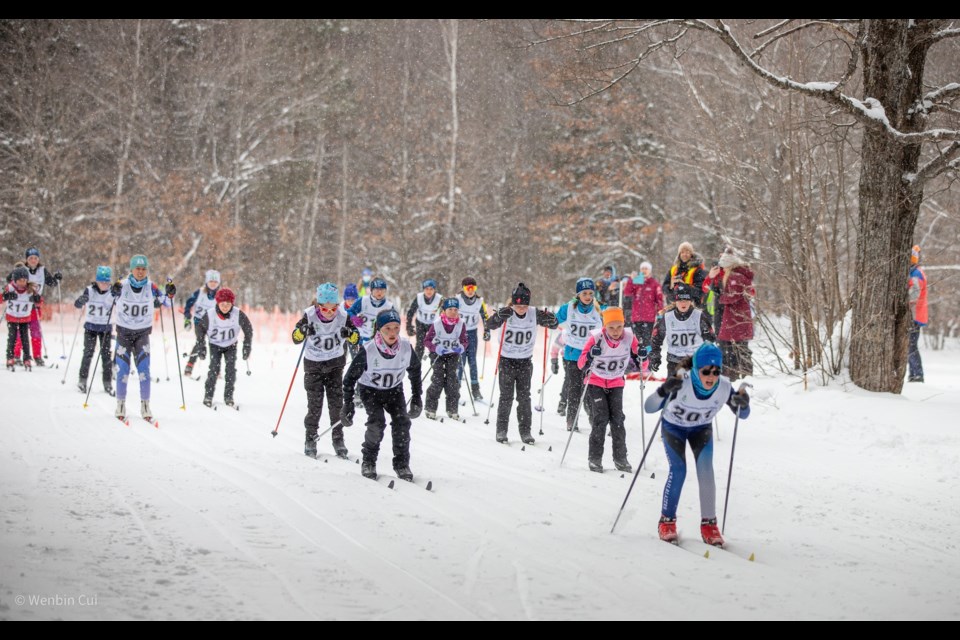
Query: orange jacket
x,y
918,295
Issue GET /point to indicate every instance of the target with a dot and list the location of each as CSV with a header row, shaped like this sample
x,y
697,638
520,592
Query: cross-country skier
x,y
516,358
424,305
21,297
474,313
377,374
365,310
604,358
199,303
40,277
221,327
689,403
580,316
326,329
683,327
97,303
447,340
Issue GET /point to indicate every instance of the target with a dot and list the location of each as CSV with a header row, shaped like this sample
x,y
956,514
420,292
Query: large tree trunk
x,y
893,74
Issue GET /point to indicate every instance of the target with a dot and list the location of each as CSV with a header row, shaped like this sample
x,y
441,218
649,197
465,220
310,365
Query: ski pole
x,y
576,420
72,345
636,473
643,428
60,311
163,334
496,368
543,383
483,365
470,395
249,373
429,369
540,407
733,449
277,428
317,437
93,374
176,345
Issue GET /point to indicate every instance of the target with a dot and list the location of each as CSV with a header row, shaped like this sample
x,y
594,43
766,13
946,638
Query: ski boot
x,y
562,408
39,361
310,447
595,465
527,437
573,426
453,415
475,390
501,436
340,448
28,364
404,473
622,465
82,385
11,364
431,415
229,402
358,403
188,370
108,387
208,401
121,411
145,412
369,470
710,532
667,529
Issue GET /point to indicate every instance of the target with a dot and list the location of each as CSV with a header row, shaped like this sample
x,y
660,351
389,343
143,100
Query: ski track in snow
x,y
848,500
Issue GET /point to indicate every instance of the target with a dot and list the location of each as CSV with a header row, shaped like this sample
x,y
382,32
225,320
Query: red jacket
x,y
647,299
737,323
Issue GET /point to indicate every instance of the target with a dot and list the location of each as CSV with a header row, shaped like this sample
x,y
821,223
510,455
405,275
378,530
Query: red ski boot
x,y
668,529
710,532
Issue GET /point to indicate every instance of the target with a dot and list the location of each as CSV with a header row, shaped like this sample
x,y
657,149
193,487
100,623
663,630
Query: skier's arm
x,y
546,319
247,329
493,323
706,328
413,370
484,316
562,314
584,359
357,366
354,312
192,300
659,330
464,339
82,299
201,326
739,402
428,339
299,331
412,310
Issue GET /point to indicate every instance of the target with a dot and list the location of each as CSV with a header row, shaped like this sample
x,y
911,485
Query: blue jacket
x,y
192,300
571,353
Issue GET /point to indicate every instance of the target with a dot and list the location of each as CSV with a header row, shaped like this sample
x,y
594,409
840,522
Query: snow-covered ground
x,y
848,500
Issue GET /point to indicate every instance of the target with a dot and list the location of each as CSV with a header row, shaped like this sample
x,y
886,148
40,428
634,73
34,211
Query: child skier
x,y
365,310
604,357
447,340
325,328
683,328
689,403
39,277
221,327
350,296
424,305
200,302
377,374
516,358
581,315
97,302
473,311
21,297
136,297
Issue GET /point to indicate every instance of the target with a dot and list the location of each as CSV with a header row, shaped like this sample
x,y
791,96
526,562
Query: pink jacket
x,y
647,299
596,380
737,322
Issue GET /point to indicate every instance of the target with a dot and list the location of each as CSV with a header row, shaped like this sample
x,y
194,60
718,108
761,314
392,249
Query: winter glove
x,y
505,313
457,349
246,351
350,334
486,335
740,400
637,359
35,298
346,414
58,276
654,362
170,289
596,351
187,323
554,366
9,295
433,358
669,387
549,320
82,300
116,288
202,351
416,406
156,303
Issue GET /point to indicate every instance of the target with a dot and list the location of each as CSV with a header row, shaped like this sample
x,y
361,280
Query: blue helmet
x,y
450,303
386,317
104,274
585,284
430,283
327,294
350,292
379,283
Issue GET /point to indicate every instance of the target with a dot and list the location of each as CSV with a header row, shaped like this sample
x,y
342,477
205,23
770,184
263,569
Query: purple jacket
x,y
431,334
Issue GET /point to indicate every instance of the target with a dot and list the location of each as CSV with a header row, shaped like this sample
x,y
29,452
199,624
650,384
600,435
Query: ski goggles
x,y
328,308
470,288
710,371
